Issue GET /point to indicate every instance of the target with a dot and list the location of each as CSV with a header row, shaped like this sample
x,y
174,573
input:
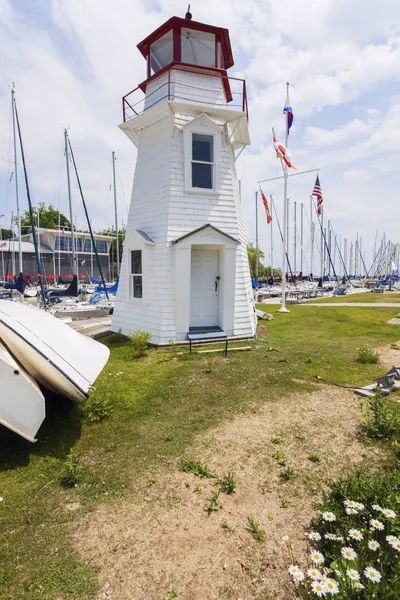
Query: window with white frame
x,y
136,273
203,161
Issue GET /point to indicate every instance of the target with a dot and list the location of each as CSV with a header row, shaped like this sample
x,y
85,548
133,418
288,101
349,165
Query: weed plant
x,y
315,458
383,417
138,342
366,356
228,483
213,505
255,529
226,528
71,475
196,467
96,409
287,474
280,458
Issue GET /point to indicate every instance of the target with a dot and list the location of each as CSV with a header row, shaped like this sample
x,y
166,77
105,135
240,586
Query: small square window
x,y
202,161
136,273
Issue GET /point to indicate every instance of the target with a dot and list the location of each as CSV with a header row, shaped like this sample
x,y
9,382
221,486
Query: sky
x,y
73,60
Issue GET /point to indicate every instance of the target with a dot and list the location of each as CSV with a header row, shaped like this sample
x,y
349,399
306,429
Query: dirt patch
x,y
163,540
389,357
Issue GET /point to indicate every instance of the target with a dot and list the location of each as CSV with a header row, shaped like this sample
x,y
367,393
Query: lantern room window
x,y
161,52
198,48
202,161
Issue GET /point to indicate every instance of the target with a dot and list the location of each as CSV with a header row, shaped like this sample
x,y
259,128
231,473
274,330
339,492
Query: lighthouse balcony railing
x,y
218,91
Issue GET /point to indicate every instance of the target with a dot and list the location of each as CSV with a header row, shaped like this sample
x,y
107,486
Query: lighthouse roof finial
x,y
188,14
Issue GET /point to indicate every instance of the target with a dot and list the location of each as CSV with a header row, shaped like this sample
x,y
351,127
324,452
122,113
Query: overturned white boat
x,y
58,357
22,407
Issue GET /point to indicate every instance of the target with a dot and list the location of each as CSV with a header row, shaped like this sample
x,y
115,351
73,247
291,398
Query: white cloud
x,y
73,65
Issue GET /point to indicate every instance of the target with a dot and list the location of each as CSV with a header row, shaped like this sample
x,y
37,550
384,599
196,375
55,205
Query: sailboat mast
x,y
301,237
16,181
71,217
116,212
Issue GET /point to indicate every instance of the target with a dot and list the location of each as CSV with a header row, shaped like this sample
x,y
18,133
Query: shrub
x,y
138,341
96,409
383,417
72,472
366,355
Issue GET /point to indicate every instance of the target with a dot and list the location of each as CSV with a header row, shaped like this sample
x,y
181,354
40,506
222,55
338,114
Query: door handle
x,y
216,285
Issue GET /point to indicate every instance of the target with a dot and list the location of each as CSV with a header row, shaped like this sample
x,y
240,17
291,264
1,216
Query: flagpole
x,y
295,239
272,242
283,308
256,277
321,222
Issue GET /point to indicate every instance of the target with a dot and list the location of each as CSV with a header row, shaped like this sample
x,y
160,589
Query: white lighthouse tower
x,y
185,269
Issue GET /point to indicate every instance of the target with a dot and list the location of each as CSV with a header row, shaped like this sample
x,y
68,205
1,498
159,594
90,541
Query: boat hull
x,y
58,357
22,405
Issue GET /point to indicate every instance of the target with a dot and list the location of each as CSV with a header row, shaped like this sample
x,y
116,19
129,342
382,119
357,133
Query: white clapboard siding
x,y
165,211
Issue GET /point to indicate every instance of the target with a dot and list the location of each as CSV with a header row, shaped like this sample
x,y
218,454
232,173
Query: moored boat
x,y
54,354
22,406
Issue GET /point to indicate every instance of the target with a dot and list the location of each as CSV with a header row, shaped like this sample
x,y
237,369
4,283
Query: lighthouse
x,y
184,271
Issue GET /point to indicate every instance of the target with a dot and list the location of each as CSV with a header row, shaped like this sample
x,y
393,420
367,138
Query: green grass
x,y
364,297
159,404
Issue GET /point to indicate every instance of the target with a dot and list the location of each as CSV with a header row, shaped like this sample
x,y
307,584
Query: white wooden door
x,y
204,288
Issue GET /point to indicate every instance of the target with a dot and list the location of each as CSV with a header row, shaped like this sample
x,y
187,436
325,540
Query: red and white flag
x,y
281,151
266,206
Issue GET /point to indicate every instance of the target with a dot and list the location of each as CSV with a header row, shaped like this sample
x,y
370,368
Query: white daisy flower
x,y
293,569
359,586
350,503
298,577
339,538
330,536
375,524
317,557
314,574
314,535
353,574
372,574
328,516
348,553
356,535
351,511
391,538
319,588
373,545
359,506
396,545
376,507
389,514
332,587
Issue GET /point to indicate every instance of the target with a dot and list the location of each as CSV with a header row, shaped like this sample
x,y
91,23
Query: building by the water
x,y
55,248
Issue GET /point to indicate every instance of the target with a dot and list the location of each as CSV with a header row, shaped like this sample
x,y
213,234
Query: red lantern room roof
x,y
175,24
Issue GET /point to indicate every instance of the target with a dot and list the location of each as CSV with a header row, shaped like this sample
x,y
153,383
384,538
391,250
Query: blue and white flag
x,y
288,111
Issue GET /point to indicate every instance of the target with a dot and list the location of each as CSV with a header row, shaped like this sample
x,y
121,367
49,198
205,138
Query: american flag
x,y
318,193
